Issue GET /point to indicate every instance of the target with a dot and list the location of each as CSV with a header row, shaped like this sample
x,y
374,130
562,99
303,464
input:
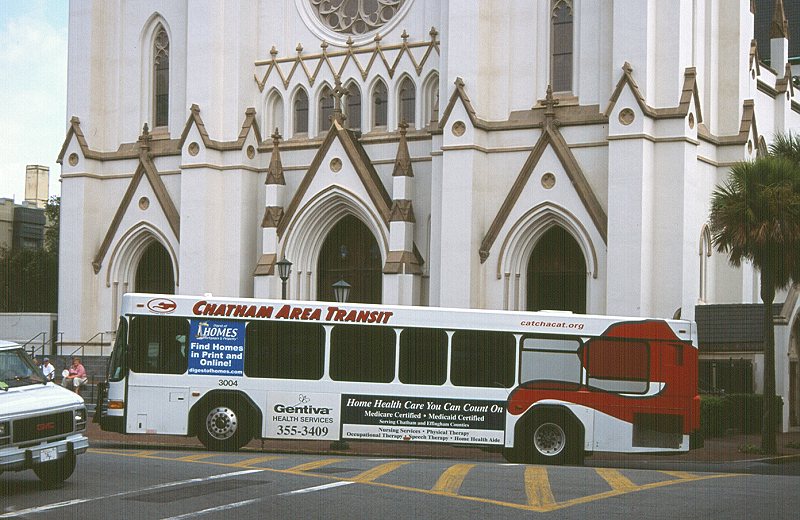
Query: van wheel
x,y
223,428
55,472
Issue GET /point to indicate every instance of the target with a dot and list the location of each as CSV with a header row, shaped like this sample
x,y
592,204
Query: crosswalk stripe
x,y
314,464
450,481
537,486
379,471
616,480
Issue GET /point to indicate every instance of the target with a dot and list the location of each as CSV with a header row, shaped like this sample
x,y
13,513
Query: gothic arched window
x,y
380,104
408,98
300,112
353,104
561,46
325,109
161,78
705,254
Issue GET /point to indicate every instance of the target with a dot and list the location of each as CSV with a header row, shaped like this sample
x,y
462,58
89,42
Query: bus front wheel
x,y
222,428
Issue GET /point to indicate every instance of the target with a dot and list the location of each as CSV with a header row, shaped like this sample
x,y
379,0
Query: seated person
x,y
75,376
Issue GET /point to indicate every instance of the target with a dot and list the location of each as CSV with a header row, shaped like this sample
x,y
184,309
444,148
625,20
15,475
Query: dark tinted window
x,y
284,350
483,358
360,353
423,356
117,366
158,344
618,365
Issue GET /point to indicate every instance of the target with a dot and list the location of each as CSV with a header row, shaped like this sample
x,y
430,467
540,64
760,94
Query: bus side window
x,y
618,365
284,350
423,356
483,359
362,353
551,359
155,344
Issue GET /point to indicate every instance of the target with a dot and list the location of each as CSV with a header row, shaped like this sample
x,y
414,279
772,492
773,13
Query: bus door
x,y
156,402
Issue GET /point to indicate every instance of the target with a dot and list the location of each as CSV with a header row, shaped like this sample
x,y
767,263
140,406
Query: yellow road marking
x,y
616,480
145,453
379,471
527,507
314,464
618,492
537,486
255,460
450,481
679,474
196,457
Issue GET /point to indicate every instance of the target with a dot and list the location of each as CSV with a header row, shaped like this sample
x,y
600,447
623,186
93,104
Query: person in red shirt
x,y
75,376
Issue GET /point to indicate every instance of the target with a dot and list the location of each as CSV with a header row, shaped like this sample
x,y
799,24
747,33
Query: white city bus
x,y
544,387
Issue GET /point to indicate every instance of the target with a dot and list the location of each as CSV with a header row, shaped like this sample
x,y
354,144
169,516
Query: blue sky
x,y
33,90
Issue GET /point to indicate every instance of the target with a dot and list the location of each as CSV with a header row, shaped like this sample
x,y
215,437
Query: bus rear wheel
x,y
223,428
548,438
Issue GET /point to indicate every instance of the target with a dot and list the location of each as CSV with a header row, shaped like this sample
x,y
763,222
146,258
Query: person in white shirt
x,y
48,370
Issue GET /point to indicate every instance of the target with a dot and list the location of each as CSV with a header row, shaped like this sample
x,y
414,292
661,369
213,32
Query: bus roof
x,y
548,322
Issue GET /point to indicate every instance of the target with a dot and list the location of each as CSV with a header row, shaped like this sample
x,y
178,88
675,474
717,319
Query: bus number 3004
x,y
228,382
303,431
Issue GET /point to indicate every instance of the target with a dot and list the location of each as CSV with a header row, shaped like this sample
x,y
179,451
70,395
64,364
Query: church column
x,y
266,283
402,273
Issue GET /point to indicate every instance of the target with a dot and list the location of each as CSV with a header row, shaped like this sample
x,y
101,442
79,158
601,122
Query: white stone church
x,y
523,154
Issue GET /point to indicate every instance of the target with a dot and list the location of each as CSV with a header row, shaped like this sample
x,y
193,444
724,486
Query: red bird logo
x,y
161,305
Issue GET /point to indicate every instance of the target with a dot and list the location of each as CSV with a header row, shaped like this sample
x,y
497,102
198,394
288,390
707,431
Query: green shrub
x,y
713,415
739,412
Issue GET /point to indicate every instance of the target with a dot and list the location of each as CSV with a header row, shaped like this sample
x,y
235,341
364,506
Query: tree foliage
x,y
755,217
29,277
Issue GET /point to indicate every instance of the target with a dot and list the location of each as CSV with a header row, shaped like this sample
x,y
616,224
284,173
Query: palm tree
x,y
755,216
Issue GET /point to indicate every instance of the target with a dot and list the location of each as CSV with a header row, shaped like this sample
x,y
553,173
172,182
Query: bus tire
x,y
55,472
550,437
223,427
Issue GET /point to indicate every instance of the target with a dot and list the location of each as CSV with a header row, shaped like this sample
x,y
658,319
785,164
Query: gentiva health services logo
x,y
161,305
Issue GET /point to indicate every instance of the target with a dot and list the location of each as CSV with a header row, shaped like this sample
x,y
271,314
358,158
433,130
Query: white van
x,y
41,424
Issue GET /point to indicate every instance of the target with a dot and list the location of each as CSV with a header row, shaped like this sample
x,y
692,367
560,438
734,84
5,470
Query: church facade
x,y
528,154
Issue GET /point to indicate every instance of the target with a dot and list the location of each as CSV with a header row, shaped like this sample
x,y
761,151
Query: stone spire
x,y
779,28
778,39
275,170
549,105
402,163
338,92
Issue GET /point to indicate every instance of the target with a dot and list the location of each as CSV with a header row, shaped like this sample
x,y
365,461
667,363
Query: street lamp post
x,y
341,291
284,270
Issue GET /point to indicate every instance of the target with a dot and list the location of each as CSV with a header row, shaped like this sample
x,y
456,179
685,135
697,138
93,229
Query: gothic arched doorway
x,y
350,253
557,273
154,273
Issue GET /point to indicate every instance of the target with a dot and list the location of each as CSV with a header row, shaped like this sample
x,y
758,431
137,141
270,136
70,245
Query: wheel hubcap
x,y
549,439
221,423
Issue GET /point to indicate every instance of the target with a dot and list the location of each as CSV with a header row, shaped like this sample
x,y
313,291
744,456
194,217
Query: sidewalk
x,y
731,448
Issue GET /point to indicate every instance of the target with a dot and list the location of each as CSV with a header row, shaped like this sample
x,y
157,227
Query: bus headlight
x,y
116,405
